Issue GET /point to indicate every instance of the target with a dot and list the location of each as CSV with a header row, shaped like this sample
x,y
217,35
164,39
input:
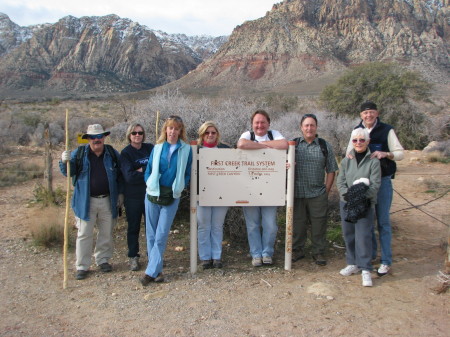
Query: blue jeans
x,y
210,231
358,239
135,209
257,217
159,220
382,209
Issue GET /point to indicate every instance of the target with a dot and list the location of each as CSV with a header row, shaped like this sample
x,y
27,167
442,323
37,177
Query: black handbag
x,y
165,196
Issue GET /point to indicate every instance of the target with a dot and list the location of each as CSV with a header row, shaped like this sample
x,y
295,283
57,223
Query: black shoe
x,y
81,274
207,264
297,255
217,264
320,260
105,267
146,280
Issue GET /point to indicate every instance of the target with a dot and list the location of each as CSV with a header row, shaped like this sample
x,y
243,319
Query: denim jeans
x,y
257,217
100,214
135,209
159,219
382,209
210,231
358,239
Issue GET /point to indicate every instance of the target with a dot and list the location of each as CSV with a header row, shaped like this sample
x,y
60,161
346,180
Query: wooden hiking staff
x,y
66,218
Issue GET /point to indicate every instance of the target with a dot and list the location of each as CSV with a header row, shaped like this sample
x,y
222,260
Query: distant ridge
x,y
302,41
93,55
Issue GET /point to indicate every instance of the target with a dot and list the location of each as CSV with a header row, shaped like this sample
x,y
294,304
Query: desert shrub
x,y
234,228
396,92
18,172
279,102
231,115
48,234
43,196
438,157
334,232
118,133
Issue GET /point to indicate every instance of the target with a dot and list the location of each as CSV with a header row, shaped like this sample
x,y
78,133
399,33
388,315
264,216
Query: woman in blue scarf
x,y
168,173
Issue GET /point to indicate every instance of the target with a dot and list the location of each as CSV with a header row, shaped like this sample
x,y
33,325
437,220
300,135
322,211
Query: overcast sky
x,y
191,17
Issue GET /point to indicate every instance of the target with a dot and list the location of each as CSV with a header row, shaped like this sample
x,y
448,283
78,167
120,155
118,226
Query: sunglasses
x,y
100,136
140,133
175,118
210,132
359,140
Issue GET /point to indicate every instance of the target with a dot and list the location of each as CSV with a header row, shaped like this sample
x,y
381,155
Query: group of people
x,y
149,181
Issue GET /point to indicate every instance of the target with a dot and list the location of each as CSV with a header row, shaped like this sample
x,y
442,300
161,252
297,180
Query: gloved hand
x,y
120,199
65,157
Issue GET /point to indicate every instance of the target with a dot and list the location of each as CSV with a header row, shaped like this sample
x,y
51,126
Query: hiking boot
x,y
256,262
217,264
320,260
134,263
349,270
366,278
207,264
81,274
267,260
105,267
146,280
159,278
297,255
383,270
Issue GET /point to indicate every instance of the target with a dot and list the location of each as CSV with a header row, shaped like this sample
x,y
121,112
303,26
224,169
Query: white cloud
x,y
211,17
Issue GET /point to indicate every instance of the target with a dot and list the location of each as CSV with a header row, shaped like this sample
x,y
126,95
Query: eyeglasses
x,y
359,140
140,133
210,132
100,136
175,118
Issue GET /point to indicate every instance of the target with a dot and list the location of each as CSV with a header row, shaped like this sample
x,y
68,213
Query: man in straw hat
x,y
97,195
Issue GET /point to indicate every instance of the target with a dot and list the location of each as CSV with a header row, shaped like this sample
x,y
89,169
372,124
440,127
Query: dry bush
x,y
232,115
47,227
18,172
438,157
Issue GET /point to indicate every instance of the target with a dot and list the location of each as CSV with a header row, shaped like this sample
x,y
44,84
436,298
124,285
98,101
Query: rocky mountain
x,y
94,55
301,41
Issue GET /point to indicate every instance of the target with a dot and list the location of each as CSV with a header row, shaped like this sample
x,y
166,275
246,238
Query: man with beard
x,y
97,195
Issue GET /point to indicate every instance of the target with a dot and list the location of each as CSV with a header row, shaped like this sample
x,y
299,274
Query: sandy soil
x,y
237,300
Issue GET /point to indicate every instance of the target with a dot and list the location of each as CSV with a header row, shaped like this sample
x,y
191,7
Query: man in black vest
x,y
385,146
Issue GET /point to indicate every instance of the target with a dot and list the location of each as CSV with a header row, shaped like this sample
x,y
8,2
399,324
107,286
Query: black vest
x,y
379,142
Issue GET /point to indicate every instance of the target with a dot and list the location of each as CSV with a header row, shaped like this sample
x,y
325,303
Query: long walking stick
x,y
66,219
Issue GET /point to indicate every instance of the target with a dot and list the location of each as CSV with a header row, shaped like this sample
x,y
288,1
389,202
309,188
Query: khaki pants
x,y
315,212
100,214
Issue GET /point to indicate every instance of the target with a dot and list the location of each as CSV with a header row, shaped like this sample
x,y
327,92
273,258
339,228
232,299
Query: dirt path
x,y
238,300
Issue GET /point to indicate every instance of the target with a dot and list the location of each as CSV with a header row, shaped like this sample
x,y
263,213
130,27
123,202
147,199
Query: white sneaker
x,y
257,262
383,270
366,278
349,270
267,260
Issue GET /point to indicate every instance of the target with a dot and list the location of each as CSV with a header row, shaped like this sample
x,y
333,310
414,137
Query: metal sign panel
x,y
234,177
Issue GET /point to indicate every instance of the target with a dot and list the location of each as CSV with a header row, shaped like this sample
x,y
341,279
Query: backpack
x,y
322,143
80,155
252,135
